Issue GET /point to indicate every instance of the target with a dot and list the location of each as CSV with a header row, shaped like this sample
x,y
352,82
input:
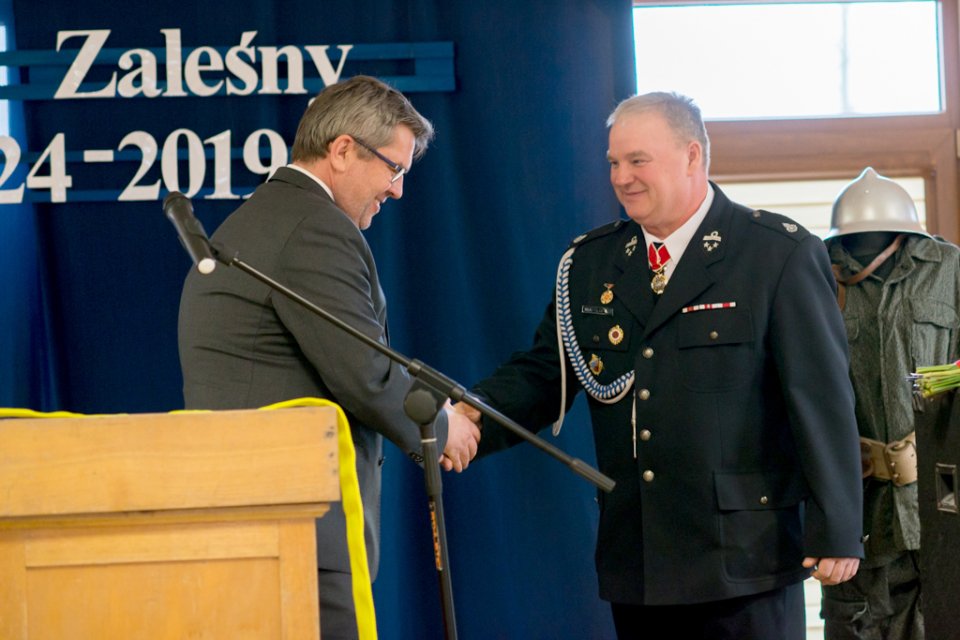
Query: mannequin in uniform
x,y
899,292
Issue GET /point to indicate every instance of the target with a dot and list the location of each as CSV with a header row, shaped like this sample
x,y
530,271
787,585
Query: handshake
x,y
463,436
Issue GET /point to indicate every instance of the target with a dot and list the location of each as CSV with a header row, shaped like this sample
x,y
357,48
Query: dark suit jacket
x,y
244,346
747,455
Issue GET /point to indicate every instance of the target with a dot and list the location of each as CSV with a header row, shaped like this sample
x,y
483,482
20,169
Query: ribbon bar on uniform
x,y
705,307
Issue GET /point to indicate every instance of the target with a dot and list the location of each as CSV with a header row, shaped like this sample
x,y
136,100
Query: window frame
x,y
837,148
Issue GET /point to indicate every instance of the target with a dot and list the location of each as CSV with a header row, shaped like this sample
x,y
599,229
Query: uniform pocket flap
x,y
934,312
754,491
852,325
601,332
714,327
842,611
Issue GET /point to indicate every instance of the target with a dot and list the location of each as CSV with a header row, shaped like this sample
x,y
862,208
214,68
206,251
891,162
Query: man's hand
x,y
463,436
470,412
831,571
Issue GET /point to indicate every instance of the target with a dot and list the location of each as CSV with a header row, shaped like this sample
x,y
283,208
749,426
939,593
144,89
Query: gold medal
x,y
659,282
658,257
596,364
615,335
607,296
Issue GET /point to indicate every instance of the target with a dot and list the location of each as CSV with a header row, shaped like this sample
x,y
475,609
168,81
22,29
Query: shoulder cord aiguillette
x,y
567,343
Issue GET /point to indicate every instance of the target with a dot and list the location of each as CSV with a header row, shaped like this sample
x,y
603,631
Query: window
x,y
794,60
766,126
810,202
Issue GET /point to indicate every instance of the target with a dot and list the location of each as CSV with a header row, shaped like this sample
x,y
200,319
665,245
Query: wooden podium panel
x,y
164,526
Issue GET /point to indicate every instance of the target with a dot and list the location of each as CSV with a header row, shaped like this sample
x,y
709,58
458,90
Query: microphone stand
x,y
422,403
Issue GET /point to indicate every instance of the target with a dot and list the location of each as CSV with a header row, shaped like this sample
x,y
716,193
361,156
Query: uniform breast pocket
x,y
605,345
934,324
601,332
716,349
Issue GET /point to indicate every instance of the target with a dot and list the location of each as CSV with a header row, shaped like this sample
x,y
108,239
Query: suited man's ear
x,y
694,154
340,151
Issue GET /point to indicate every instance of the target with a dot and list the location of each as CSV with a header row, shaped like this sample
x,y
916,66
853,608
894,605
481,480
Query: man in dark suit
x,y
708,339
241,345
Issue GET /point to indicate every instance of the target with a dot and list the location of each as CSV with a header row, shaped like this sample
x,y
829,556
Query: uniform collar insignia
x,y
711,241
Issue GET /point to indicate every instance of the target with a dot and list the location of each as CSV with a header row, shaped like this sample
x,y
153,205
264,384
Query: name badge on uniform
x,y
594,310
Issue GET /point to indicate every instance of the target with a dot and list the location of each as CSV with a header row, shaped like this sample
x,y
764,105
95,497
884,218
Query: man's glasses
x,y
398,169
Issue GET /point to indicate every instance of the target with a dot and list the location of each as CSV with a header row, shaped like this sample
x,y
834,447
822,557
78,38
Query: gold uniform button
x,y
644,394
645,435
648,353
714,335
648,476
763,500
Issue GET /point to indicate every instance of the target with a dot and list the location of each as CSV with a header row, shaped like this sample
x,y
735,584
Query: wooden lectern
x,y
172,526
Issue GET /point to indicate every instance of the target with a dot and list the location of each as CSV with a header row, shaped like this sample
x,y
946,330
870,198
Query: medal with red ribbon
x,y
658,257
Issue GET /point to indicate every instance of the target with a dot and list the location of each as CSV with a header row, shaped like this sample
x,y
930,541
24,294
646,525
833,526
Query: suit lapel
x,y
632,284
633,289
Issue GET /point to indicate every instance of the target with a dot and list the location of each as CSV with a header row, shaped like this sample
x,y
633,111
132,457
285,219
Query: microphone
x,y
194,239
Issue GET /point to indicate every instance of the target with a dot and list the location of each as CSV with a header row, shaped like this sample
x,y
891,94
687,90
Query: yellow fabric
x,y
349,490
353,510
30,413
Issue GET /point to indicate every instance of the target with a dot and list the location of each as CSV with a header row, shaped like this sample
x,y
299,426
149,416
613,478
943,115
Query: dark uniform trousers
x,y
771,615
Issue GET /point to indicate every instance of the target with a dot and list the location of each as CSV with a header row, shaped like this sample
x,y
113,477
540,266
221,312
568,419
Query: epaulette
x,y
598,232
945,245
779,223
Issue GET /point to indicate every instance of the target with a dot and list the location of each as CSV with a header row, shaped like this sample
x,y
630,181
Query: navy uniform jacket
x,y
244,346
747,457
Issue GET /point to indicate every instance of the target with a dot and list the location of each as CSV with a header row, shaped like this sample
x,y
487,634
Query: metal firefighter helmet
x,y
874,203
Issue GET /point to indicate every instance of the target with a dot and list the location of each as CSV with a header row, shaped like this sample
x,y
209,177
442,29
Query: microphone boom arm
x,y
431,377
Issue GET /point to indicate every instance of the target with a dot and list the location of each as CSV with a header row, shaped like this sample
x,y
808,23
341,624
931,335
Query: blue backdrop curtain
x,y
27,366
467,260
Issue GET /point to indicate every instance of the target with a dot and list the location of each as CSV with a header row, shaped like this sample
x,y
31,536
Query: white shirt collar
x,y
678,241
315,179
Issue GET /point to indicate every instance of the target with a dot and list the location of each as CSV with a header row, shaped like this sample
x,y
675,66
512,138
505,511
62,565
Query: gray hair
x,y
681,113
363,107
